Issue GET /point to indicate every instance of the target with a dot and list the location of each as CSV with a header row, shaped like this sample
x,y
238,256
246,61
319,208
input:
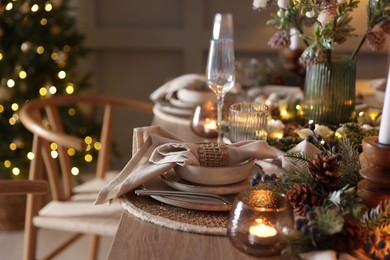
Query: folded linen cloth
x,y
156,152
191,81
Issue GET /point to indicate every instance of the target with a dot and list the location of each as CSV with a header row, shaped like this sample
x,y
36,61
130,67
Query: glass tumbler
x,y
248,121
258,220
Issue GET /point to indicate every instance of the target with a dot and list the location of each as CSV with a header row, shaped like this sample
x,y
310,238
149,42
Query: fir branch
x,y
298,156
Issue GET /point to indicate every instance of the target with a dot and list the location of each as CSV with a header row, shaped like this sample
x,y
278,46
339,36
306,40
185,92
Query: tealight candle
x,y
261,233
210,125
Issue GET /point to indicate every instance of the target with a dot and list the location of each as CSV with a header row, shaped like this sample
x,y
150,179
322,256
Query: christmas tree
x,y
39,48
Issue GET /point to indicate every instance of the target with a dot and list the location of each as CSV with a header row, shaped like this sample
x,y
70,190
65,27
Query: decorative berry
x,y
306,209
300,222
253,182
330,144
381,244
265,178
334,149
311,215
272,176
257,176
319,138
311,127
285,179
305,229
313,228
309,138
368,248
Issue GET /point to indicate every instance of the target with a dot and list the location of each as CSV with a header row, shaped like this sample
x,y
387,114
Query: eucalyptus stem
x,y
362,40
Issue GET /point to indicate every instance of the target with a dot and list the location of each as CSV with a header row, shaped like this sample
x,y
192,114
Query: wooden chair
x,y
71,207
23,187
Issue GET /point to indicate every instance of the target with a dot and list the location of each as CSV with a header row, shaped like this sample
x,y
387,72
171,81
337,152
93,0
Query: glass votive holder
x,y
258,221
204,121
248,121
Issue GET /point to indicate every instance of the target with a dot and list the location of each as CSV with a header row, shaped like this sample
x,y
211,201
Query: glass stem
x,y
220,99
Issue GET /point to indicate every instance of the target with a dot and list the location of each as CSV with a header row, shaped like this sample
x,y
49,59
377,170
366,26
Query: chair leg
x,y
30,232
94,241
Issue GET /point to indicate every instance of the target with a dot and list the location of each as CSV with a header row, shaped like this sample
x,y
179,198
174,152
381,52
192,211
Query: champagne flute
x,y
220,73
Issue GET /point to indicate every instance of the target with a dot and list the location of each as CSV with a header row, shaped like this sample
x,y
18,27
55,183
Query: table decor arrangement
x,y
330,213
320,25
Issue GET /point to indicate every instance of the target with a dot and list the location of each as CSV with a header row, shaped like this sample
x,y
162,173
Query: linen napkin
x,y
157,151
192,81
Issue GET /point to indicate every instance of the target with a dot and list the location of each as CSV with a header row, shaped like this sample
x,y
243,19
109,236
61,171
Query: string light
x,y
42,91
40,50
1,56
88,158
12,146
22,74
34,8
75,171
1,108
54,154
52,90
97,146
53,146
30,156
71,111
12,121
14,107
61,74
69,88
48,7
7,164
9,6
43,21
16,171
71,152
10,83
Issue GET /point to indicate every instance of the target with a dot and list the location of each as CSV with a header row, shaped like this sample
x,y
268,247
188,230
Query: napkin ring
x,y
213,154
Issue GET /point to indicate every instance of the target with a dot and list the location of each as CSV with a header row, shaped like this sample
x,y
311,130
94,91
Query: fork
x,y
183,194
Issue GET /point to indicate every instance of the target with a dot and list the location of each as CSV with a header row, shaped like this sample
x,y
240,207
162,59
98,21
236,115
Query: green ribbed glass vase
x,y
330,91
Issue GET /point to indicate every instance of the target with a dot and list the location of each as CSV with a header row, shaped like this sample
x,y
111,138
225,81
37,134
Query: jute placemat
x,y
202,222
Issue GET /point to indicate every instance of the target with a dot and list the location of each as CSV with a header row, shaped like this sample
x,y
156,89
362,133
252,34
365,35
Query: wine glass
x,y
220,63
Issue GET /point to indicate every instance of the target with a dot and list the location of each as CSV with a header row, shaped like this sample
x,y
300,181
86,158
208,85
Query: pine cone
x,y
301,195
324,169
349,238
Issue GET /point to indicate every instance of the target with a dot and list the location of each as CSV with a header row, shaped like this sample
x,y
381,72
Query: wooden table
x,y
139,239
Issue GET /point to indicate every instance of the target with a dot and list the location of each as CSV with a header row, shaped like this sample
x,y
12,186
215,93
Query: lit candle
x,y
384,130
210,125
262,233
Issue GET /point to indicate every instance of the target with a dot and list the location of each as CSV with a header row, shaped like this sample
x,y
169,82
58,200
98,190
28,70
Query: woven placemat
x,y
188,220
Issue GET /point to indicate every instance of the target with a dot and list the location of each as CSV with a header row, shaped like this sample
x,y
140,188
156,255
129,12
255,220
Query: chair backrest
x,y
23,187
42,117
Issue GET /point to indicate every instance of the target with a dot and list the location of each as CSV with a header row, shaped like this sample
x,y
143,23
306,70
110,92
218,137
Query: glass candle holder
x,y
248,121
204,121
258,220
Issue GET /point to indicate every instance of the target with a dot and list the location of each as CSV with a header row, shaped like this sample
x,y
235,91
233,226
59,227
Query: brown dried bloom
x,y
329,6
281,39
311,60
376,39
386,27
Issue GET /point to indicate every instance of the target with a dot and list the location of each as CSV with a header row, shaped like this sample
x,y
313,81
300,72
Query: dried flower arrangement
x,y
323,194
323,23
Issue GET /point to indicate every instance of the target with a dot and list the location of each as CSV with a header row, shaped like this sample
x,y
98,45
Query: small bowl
x,y
216,175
